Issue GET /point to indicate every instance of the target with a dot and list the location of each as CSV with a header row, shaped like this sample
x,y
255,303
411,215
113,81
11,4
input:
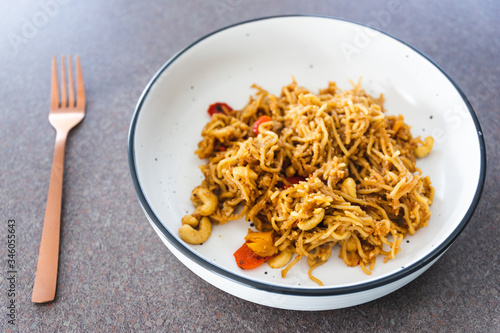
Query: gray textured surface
x,y
115,274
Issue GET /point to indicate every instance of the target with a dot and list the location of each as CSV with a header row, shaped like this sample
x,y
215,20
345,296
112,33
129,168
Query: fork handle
x,y
44,288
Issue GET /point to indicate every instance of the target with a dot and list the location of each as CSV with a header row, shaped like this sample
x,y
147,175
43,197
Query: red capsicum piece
x,y
247,259
290,181
219,108
295,179
258,122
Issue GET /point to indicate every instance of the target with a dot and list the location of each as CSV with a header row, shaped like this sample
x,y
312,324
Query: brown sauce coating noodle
x,y
361,189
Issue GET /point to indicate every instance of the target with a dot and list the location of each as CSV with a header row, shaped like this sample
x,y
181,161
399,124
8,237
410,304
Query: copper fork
x,y
66,111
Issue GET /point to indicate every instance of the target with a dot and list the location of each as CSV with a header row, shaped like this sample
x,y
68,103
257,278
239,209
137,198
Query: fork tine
x,y
80,89
54,92
71,91
63,84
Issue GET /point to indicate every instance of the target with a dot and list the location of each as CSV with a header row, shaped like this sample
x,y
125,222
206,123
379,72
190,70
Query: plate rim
x,y
289,290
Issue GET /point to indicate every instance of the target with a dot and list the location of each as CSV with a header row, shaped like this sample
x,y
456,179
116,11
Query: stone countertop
x,y
115,274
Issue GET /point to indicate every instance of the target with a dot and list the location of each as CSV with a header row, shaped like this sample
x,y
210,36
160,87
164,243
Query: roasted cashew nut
x,y
425,149
349,187
190,220
313,221
244,172
208,199
280,260
351,245
290,171
196,237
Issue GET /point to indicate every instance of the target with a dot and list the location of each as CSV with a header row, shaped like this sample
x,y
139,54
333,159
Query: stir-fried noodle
x,y
314,171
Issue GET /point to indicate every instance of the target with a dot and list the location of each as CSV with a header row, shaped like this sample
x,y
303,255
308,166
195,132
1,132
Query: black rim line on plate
x,y
285,289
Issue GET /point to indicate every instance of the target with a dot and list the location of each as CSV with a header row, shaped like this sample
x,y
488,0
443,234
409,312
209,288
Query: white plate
x,y
221,67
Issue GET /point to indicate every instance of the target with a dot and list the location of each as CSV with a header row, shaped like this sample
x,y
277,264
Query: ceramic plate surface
x,y
221,67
